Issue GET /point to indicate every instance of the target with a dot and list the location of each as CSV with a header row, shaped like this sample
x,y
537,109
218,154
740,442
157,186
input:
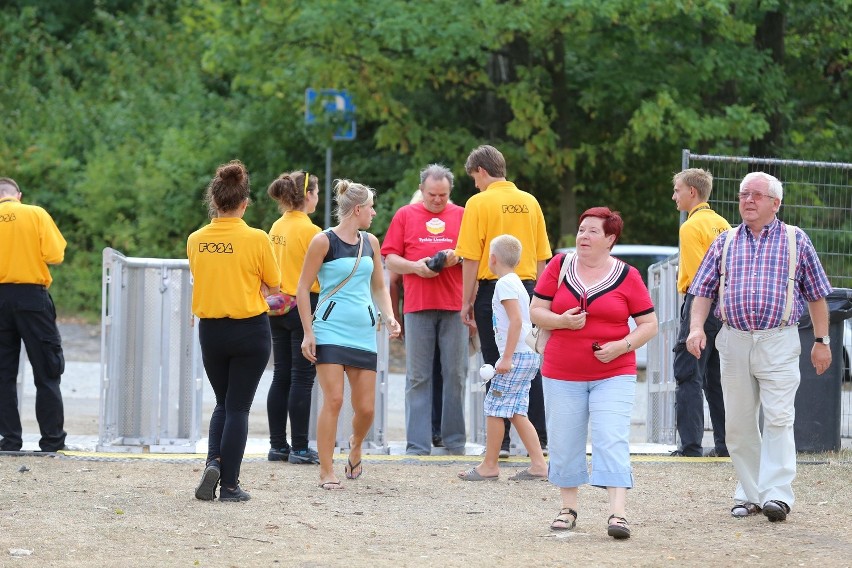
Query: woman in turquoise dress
x,y
340,336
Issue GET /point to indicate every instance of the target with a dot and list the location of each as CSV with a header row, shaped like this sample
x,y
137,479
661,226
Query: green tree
x,y
590,101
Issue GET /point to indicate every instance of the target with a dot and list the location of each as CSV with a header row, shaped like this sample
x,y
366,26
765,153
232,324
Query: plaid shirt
x,y
756,276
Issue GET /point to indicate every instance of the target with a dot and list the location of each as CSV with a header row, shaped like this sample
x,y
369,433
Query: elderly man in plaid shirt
x,y
759,344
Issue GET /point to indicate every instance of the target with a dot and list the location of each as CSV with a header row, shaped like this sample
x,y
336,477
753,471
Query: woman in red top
x,y
589,366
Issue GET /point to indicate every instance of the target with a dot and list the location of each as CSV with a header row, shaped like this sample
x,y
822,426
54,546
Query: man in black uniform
x,y
31,241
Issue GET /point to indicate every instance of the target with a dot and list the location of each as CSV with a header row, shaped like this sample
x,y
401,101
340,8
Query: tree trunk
x,y
561,100
769,36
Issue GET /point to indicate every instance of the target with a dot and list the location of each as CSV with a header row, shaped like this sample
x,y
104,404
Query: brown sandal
x,y
619,529
742,510
562,517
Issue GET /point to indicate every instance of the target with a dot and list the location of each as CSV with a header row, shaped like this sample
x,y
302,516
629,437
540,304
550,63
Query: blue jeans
x,y
569,407
424,331
692,375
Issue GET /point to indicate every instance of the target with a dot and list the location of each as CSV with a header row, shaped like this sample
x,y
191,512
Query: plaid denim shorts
x,y
510,392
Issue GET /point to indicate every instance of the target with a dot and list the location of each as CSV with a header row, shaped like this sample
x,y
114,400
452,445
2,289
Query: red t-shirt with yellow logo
x,y
416,233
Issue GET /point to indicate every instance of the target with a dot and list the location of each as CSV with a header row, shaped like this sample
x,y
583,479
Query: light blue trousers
x,y
570,406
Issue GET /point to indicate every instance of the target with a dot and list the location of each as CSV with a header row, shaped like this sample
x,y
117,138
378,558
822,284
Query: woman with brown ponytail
x,y
297,194
233,269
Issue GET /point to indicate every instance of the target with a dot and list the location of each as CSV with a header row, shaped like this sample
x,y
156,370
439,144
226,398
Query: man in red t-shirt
x,y
419,244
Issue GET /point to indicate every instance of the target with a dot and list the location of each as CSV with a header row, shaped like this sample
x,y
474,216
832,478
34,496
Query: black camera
x,y
436,263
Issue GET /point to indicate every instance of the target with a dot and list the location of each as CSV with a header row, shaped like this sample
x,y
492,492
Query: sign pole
x,y
328,187
338,106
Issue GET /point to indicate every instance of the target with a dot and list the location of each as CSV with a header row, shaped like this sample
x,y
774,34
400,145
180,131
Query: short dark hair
x,y
489,159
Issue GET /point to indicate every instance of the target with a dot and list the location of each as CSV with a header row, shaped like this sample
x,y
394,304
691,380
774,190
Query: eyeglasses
x,y
307,180
596,346
755,196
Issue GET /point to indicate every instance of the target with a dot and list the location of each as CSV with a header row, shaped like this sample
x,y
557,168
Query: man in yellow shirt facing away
x,y
692,189
499,208
30,242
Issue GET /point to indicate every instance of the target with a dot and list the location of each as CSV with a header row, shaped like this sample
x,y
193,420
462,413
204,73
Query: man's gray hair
x,y
438,172
775,188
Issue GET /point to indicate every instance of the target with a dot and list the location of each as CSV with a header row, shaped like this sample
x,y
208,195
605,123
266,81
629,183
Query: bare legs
x,y
529,436
363,386
617,500
494,430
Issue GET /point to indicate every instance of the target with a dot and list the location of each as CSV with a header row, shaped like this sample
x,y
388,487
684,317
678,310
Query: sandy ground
x,y
73,512
85,510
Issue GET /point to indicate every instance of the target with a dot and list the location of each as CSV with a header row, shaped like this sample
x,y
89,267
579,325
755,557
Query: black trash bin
x,y
817,427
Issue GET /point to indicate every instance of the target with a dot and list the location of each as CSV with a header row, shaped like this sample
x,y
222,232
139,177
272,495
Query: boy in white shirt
x,y
509,395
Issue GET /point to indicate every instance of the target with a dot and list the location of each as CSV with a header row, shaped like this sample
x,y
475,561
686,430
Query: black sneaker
x,y
235,494
308,456
206,490
680,454
437,441
281,454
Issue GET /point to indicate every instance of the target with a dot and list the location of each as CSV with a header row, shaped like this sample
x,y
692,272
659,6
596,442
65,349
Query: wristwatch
x,y
824,340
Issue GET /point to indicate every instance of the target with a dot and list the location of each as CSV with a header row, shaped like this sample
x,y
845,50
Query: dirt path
x,y
71,512
89,512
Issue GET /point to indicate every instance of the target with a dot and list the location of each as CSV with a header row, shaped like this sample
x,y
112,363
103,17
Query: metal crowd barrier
x,y
662,285
475,398
152,376
151,370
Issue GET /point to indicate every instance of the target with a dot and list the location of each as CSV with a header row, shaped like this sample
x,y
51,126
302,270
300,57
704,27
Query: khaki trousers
x,y
761,368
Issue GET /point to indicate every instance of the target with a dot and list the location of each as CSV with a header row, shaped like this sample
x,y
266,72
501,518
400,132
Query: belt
x,y
760,331
39,286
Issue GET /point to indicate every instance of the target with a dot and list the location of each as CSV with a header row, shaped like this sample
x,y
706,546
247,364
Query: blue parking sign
x,y
337,104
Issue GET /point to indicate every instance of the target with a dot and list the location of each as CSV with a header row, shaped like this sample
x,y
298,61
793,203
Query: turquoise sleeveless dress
x,y
345,324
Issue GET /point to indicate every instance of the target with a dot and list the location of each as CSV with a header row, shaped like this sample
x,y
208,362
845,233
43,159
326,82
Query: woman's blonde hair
x,y
350,195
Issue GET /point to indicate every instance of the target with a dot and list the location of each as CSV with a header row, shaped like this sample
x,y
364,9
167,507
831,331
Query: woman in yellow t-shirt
x,y
297,194
233,269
